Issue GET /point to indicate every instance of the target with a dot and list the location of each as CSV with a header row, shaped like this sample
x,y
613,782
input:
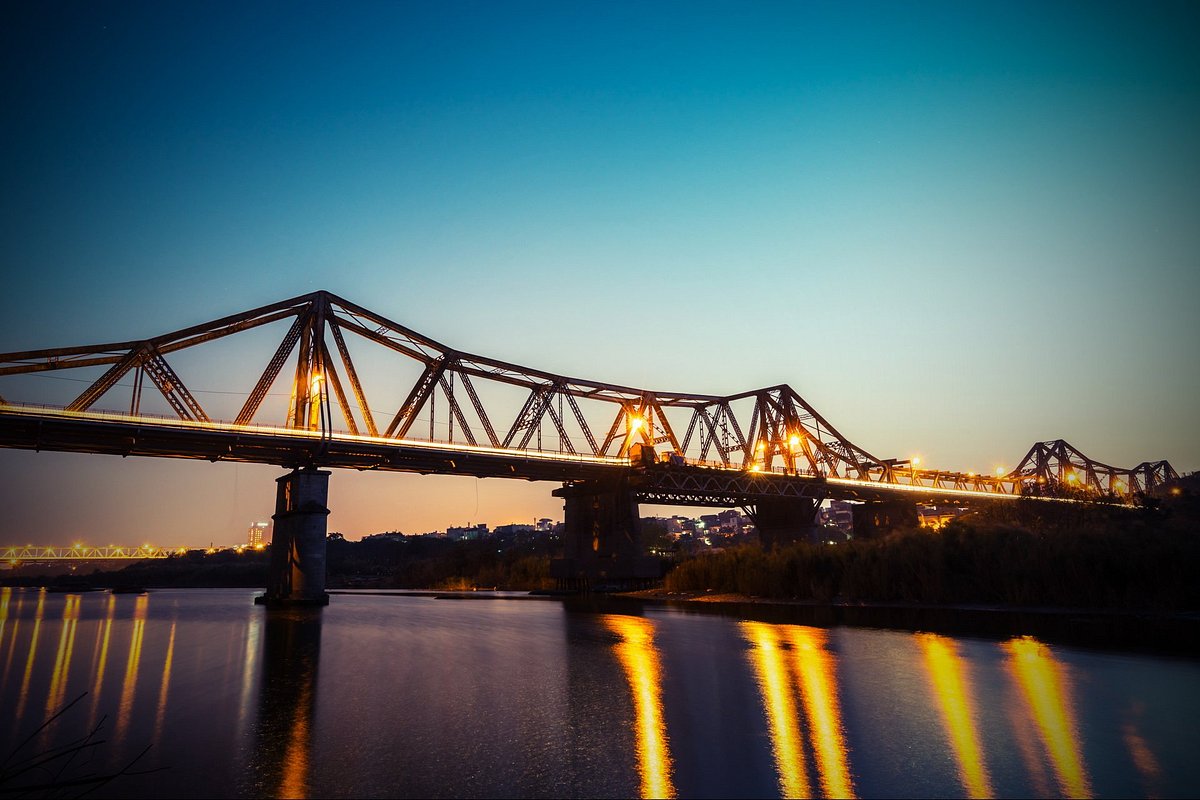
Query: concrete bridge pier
x,y
782,521
602,538
296,574
879,518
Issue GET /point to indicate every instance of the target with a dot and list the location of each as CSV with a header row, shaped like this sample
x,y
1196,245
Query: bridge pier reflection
x,y
287,704
297,568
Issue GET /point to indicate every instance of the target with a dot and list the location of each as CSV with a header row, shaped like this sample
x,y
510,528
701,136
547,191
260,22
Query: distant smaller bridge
x,y
84,552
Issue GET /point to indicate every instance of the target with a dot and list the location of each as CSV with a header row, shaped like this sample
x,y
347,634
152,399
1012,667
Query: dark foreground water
x,y
416,696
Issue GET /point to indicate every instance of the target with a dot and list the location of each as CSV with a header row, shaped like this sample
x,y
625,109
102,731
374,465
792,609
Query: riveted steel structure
x,y
447,421
612,446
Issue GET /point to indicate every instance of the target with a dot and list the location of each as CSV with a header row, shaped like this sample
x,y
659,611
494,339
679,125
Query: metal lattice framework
x,y
1058,462
770,430
84,552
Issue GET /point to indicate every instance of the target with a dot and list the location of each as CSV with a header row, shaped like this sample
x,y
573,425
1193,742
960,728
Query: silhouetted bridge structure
x,y
612,446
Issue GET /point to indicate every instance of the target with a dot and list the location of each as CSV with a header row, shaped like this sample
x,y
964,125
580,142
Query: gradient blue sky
x,y
955,228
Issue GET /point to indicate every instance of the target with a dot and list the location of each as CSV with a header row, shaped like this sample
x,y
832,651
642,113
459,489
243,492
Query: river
x,y
397,696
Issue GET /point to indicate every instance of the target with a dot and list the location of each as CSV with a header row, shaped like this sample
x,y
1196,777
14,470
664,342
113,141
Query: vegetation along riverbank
x,y
1026,554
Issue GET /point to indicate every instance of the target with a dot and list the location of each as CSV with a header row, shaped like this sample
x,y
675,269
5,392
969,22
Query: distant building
x,y
467,532
256,537
389,536
839,514
514,528
936,517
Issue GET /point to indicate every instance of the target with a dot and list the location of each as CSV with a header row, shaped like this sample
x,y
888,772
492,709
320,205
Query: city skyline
x,y
954,231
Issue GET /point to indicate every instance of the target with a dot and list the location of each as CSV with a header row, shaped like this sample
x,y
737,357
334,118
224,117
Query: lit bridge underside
x,y
734,450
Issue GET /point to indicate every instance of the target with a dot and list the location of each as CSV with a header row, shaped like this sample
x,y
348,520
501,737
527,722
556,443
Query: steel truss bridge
x,y
459,413
84,552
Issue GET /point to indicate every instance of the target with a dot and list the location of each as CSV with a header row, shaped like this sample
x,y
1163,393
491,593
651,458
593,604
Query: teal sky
x,y
955,228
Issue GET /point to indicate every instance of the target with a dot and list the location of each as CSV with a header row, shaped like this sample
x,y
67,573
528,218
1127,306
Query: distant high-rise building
x,y
256,537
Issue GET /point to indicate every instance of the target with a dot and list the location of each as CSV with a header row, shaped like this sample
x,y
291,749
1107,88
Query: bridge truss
x,y
82,552
448,420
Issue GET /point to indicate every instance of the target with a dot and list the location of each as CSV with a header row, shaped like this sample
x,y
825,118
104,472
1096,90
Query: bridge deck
x,y
53,429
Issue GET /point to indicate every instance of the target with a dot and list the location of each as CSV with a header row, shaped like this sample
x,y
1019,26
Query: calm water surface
x,y
415,696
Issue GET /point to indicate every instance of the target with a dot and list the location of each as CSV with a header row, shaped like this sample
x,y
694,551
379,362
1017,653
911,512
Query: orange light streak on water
x,y
5,594
1044,687
16,626
294,785
779,704
166,682
1143,758
129,688
37,627
62,658
951,685
103,634
816,669
639,659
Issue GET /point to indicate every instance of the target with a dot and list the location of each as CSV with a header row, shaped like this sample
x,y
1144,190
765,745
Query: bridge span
x,y
611,446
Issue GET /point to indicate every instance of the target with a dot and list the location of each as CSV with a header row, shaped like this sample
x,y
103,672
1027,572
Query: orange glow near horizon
x,y
950,681
779,703
1045,687
639,659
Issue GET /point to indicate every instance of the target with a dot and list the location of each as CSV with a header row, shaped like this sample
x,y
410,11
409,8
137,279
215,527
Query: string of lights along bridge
x,y
435,409
561,425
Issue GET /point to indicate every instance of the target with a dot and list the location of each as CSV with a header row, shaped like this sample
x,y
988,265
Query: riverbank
x,y
1132,629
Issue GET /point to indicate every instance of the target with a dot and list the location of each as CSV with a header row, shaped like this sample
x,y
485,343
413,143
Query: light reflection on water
x,y
950,680
389,696
1046,689
640,662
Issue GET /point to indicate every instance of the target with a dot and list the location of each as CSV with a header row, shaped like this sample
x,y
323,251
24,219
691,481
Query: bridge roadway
x,y
39,427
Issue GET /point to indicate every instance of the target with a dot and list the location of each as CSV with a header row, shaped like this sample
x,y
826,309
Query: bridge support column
x,y
783,521
297,568
602,539
876,519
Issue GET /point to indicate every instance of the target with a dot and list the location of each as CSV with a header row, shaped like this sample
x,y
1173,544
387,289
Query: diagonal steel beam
x,y
406,415
265,381
109,379
352,375
331,377
536,412
587,431
456,410
172,388
479,409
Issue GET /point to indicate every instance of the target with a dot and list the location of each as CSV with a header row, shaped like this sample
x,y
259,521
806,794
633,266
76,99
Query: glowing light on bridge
x,y
950,680
1045,688
639,658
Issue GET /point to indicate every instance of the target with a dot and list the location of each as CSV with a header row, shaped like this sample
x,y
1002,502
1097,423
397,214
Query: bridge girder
x,y
769,430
